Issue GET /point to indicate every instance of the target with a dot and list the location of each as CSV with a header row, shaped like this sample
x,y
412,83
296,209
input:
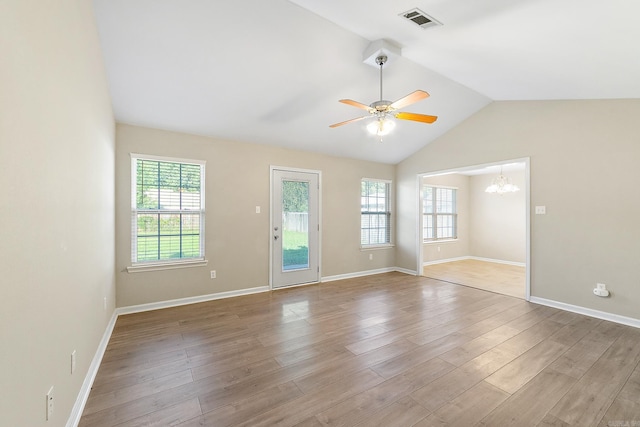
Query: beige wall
x,y
578,149
57,206
459,247
237,239
498,222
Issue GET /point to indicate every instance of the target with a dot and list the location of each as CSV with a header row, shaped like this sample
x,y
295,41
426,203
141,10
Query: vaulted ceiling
x,y
272,71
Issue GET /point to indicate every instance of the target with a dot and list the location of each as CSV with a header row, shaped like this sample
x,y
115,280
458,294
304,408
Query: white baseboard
x,y
406,271
499,261
629,321
83,395
442,261
463,258
357,274
189,300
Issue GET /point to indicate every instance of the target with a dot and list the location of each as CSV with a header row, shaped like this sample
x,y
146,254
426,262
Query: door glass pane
x,y
295,225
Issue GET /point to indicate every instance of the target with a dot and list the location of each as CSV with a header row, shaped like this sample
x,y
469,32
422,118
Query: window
x,y
167,210
439,213
375,212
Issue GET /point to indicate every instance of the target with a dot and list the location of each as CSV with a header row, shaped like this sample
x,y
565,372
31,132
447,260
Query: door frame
x,y
273,168
527,190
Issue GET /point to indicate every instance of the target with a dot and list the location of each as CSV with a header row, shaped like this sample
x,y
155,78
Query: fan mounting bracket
x,y
381,48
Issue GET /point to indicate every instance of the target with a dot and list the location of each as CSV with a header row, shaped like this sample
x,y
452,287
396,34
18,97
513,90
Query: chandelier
x,y
501,184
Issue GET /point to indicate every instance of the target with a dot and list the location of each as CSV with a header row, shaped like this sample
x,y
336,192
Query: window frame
x,y
172,263
435,214
388,212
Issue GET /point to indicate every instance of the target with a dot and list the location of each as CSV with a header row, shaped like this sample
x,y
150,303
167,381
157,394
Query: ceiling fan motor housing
x,y
381,105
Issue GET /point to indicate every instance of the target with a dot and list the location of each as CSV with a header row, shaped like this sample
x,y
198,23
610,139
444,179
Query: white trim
x,y
440,241
140,267
377,247
83,395
357,274
527,202
297,285
420,221
445,260
167,159
499,261
447,187
189,300
616,318
387,181
406,271
477,258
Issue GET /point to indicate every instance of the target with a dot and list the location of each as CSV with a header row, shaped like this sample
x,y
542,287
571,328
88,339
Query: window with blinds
x,y
439,213
375,212
167,215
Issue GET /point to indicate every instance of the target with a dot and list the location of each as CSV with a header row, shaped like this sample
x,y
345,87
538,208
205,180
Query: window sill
x,y
139,268
437,242
376,247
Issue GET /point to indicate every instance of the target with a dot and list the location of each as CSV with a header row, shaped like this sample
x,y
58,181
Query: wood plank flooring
x,y
383,350
491,276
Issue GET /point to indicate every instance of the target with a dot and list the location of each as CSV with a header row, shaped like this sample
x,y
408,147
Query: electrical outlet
x,y
50,404
213,274
73,361
370,257
257,209
601,286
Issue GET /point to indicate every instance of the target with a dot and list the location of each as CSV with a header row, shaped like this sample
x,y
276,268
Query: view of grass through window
x,y
295,249
295,225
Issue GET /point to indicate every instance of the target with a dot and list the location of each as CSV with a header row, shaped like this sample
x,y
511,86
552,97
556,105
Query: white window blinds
x,y
167,223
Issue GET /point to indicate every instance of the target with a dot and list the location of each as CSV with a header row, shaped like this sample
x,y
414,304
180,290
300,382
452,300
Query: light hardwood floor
x,y
383,350
490,276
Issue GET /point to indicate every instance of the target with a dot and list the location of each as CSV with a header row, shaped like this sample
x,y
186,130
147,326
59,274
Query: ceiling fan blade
x,y
409,99
416,117
335,125
355,104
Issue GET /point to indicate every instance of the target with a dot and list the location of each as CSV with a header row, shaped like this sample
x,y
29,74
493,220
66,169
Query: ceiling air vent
x,y
420,18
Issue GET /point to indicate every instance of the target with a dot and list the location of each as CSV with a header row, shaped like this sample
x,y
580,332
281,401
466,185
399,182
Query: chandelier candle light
x,y
502,185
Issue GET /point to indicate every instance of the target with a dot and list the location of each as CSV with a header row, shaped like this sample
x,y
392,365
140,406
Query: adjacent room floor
x,y
491,276
384,350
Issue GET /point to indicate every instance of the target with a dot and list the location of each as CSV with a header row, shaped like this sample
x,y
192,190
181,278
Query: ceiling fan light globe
x,y
381,127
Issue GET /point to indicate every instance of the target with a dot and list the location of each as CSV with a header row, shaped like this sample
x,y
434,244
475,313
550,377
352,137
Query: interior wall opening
x,y
474,226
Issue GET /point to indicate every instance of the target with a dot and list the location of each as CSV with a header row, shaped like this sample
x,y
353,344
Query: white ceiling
x,y
271,71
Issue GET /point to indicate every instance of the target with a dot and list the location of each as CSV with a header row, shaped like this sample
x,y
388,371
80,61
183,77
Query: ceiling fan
x,y
382,110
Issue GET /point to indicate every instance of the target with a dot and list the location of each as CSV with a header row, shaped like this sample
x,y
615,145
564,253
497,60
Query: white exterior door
x,y
295,225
